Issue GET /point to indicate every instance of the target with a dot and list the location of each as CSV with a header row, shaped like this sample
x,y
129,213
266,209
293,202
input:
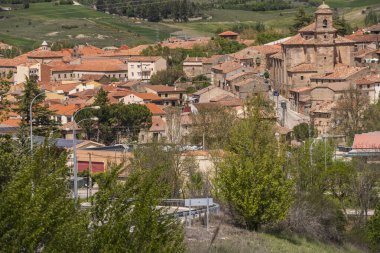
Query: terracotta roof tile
x,y
228,33
92,77
372,79
66,110
11,122
164,88
367,141
194,59
144,58
374,28
301,89
308,28
109,65
341,72
155,109
304,67
365,38
44,54
228,66
158,125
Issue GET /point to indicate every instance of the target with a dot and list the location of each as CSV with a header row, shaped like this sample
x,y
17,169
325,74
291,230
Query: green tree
x,y
303,131
101,98
342,26
8,160
42,121
372,18
4,103
250,179
115,121
339,178
125,217
168,76
302,19
153,13
33,218
211,125
370,118
373,229
175,168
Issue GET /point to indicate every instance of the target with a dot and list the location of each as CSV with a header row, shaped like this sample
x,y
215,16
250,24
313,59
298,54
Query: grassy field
x,y
27,28
237,240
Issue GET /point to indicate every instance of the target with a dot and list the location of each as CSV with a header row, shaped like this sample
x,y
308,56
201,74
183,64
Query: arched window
x,y
324,23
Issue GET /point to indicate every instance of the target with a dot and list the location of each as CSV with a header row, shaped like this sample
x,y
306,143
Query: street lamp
x,y
75,148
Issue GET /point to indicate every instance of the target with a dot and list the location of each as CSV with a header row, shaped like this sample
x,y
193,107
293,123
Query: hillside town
x,y
102,104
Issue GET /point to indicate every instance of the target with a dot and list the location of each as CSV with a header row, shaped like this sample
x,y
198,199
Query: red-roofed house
x,y
222,71
143,67
366,145
63,113
170,95
371,85
112,68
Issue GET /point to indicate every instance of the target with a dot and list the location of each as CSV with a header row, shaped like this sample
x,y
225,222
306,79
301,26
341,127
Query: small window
x,y
325,23
301,77
325,36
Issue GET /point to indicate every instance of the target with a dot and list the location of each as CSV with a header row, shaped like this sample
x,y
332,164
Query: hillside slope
x,y
78,24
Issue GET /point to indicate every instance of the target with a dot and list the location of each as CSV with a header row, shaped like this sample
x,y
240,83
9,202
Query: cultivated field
x,y
79,24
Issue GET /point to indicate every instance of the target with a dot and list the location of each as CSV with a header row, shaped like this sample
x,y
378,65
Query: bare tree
x,y
212,124
349,112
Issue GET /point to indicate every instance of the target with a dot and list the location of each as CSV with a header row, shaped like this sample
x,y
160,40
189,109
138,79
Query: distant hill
x,y
74,24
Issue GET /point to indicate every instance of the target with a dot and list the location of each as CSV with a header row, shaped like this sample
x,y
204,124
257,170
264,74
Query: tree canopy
x,y
250,179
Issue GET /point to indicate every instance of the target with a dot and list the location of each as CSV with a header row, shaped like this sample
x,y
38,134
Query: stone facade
x,y
316,50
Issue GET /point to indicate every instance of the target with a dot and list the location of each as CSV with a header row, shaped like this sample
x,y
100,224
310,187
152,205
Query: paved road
x,y
292,118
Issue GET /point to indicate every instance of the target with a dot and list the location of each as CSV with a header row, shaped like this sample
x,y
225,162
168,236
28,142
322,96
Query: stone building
x,y
315,51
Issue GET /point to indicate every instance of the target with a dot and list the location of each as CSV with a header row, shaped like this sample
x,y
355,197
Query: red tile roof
x,y
301,89
365,38
304,67
65,110
341,72
109,65
92,77
228,33
144,58
11,122
158,125
367,141
371,79
308,28
38,53
155,109
164,88
228,66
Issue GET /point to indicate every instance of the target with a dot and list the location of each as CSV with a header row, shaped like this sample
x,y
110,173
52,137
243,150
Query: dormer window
x,y
325,23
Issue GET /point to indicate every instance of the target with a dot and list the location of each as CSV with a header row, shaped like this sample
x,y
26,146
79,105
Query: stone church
x,y
315,53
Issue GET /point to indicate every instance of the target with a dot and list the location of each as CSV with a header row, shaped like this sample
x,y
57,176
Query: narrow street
x,y
292,118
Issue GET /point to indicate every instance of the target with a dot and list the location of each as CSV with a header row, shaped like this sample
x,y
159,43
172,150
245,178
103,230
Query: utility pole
x,y
89,180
